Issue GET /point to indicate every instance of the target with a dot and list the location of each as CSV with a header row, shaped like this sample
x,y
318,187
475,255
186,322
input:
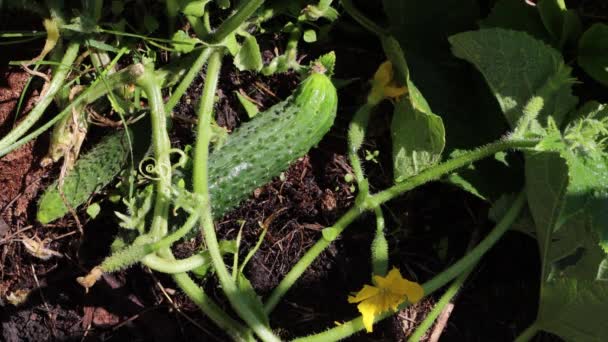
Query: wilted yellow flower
x,y
389,293
384,85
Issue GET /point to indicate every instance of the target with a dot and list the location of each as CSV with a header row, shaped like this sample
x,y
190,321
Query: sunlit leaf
x,y
249,56
519,68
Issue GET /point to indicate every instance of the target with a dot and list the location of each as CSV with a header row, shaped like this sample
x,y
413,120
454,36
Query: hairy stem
x,y
214,312
187,80
57,82
95,91
200,185
356,135
451,165
243,11
162,147
445,299
175,266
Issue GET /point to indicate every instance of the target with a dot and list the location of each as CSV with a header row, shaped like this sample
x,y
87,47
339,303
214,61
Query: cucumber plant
x,y
565,157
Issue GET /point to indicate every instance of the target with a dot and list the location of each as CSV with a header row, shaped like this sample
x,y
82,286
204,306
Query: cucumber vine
x,y
174,193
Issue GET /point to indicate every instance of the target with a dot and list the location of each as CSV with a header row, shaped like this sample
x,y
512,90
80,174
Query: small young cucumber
x,y
262,148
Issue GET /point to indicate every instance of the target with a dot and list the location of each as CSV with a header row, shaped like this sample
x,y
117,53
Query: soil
x,y
497,303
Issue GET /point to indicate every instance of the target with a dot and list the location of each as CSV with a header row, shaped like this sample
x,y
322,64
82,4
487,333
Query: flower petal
x,y
396,284
366,292
415,292
369,310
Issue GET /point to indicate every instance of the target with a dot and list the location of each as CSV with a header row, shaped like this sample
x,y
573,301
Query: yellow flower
x,y
389,293
384,85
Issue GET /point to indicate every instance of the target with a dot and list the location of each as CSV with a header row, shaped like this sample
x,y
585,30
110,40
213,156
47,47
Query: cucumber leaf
x,y
182,42
418,135
418,139
520,70
567,188
593,52
249,56
575,310
453,90
250,108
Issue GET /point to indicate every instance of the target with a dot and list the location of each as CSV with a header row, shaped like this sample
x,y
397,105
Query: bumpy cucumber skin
x,y
91,172
262,148
253,154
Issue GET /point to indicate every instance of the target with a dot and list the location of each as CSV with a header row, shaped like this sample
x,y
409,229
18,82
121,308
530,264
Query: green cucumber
x,y
93,170
262,148
252,155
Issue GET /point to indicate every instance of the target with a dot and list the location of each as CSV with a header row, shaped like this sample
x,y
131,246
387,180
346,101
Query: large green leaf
x,y
567,187
575,310
418,139
418,134
454,91
516,15
519,69
568,237
593,52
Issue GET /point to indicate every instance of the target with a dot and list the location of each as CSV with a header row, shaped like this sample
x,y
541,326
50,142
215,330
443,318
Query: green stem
x,y
198,25
528,334
162,147
356,135
200,186
291,50
140,249
463,265
54,86
445,299
373,201
214,312
187,80
95,91
175,266
451,165
244,10
361,18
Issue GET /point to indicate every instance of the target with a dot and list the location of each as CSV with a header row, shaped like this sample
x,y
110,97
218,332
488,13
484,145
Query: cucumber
x,y
94,170
252,155
262,148
91,172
